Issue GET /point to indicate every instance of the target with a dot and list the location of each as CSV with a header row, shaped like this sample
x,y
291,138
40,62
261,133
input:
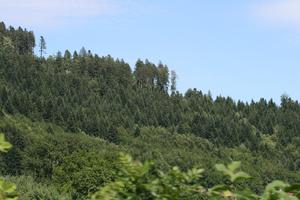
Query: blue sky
x,y
243,49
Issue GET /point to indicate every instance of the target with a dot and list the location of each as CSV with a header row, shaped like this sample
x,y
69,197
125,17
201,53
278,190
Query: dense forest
x,y
69,116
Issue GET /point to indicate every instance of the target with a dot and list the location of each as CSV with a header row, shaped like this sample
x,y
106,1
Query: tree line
x,y
133,109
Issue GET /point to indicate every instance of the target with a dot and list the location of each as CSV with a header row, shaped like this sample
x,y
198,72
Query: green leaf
x,y
221,167
4,146
234,165
239,175
218,188
230,171
8,187
276,185
246,195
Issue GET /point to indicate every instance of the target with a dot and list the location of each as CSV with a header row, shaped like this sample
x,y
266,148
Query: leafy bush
x,y
141,182
29,189
7,189
82,173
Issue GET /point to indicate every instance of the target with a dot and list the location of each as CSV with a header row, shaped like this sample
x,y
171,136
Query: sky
x,y
244,49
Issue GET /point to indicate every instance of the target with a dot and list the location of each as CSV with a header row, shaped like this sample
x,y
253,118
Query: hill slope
x,y
69,115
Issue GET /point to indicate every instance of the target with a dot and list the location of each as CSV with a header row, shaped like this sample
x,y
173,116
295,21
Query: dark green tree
x,y
42,46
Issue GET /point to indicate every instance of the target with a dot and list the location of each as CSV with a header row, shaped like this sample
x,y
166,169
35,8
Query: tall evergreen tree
x,y
67,55
82,52
2,27
42,46
173,81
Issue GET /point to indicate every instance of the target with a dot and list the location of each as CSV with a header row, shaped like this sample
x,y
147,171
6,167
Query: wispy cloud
x,y
280,12
54,12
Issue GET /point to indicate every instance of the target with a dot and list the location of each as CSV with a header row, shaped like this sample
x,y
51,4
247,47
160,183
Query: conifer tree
x,y
42,46
173,81
67,55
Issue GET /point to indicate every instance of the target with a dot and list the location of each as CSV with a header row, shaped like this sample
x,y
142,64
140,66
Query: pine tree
x,y
173,81
2,27
42,46
82,52
67,55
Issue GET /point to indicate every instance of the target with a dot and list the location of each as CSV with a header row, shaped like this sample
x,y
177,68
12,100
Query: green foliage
x,y
137,181
100,94
4,145
230,171
140,181
230,190
77,164
30,189
54,110
7,189
83,172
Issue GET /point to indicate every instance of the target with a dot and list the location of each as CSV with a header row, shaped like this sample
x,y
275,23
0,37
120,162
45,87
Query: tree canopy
x,y
69,115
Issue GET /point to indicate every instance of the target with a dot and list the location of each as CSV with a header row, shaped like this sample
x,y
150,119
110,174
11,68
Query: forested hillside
x,y
68,117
